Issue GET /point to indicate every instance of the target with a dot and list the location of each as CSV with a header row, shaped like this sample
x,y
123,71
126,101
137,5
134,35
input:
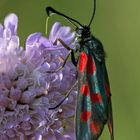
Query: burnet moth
x,y
93,109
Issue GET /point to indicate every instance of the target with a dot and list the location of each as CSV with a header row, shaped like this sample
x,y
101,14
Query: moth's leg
x,y
64,44
74,61
62,66
70,52
67,94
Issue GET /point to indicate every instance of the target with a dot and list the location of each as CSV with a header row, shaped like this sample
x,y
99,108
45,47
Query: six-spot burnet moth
x,y
94,107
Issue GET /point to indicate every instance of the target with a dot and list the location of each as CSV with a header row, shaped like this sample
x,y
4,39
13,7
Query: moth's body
x,y
93,102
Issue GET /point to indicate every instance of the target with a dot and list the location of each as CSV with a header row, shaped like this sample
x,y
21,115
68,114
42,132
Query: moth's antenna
x,y
72,22
50,9
47,22
94,10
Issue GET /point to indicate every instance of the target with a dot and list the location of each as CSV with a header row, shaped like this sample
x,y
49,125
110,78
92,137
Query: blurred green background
x,y
117,25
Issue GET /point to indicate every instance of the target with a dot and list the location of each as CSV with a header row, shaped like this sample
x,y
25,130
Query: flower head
x,y
27,91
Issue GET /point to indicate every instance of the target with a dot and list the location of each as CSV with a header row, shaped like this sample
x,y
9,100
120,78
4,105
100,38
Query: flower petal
x,y
33,38
11,22
45,42
1,30
54,30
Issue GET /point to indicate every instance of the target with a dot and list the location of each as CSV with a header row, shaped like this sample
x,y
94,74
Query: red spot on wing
x,y
82,61
91,67
85,116
94,126
84,89
96,97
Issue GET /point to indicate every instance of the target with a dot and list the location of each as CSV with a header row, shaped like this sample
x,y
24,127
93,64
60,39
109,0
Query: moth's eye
x,y
79,31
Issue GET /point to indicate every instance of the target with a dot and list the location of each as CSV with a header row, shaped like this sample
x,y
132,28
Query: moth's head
x,y
82,31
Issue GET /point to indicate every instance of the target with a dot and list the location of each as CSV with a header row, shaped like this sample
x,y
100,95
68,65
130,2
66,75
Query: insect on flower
x,y
93,108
